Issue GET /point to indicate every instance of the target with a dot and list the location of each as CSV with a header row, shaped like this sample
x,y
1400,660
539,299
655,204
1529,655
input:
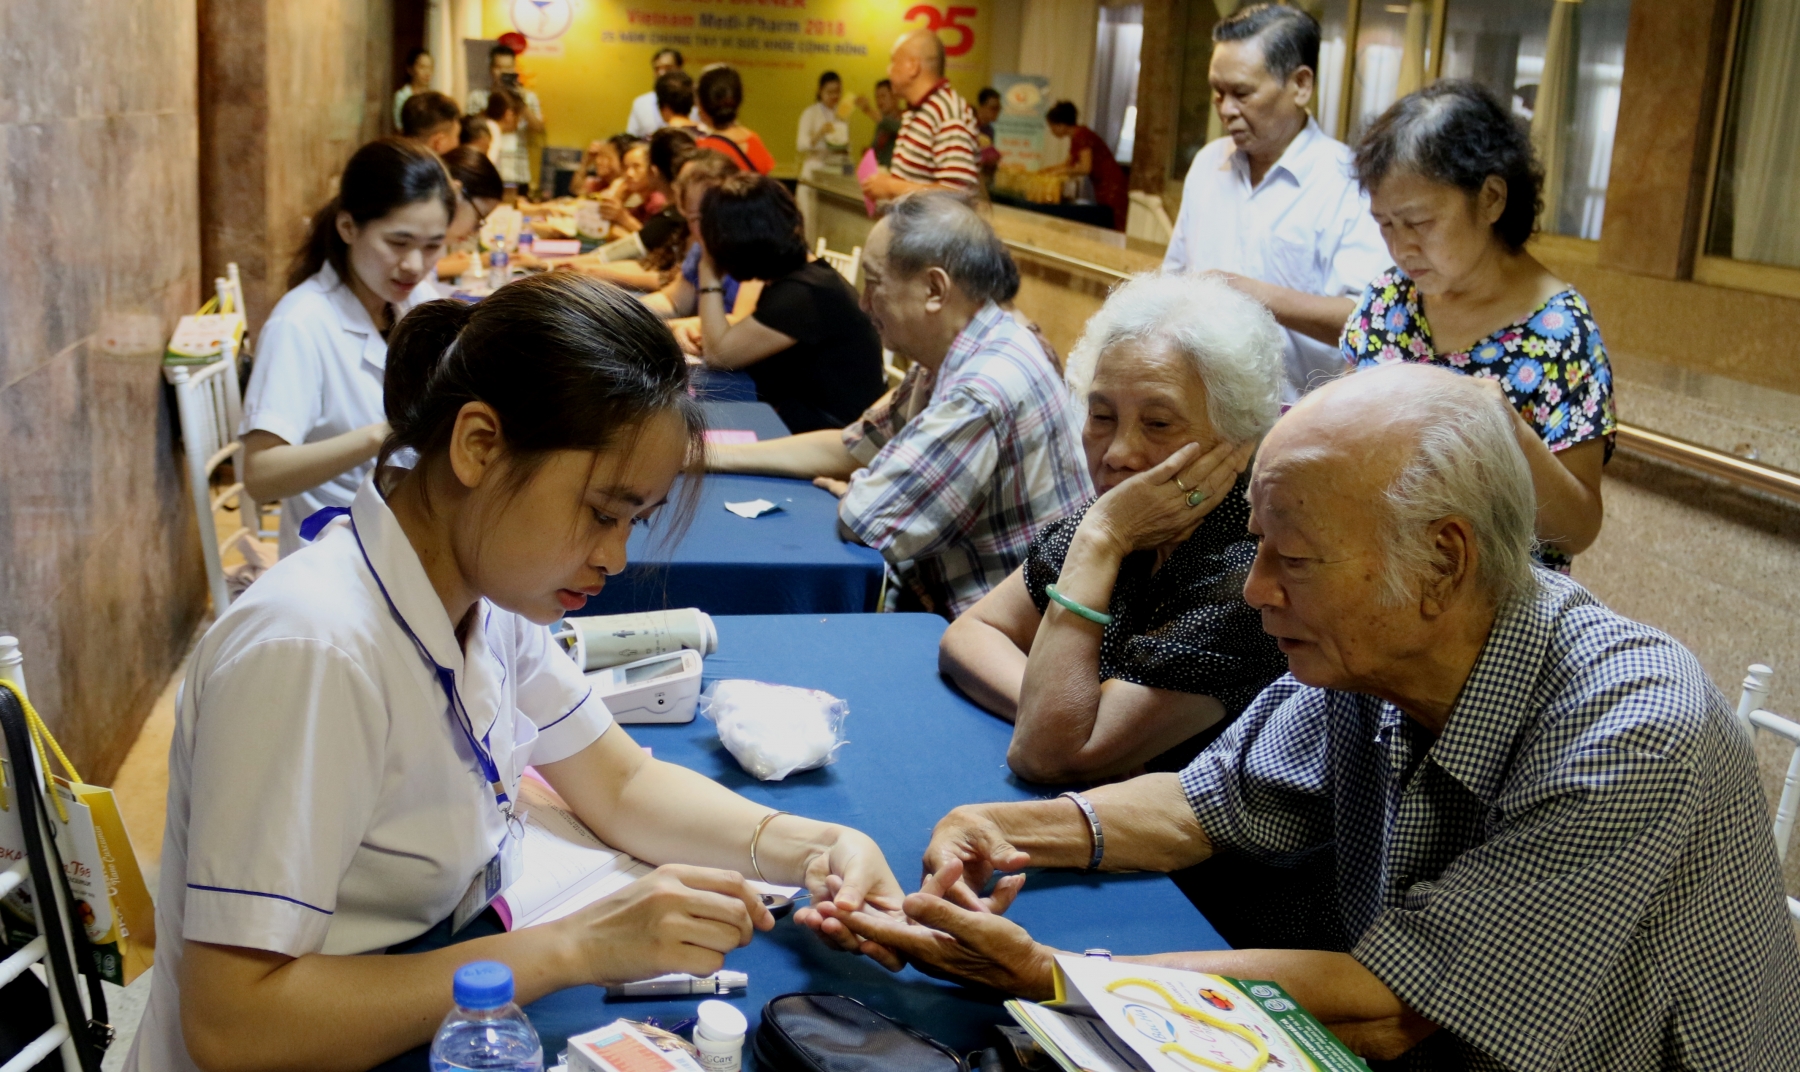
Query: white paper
x,y
752,509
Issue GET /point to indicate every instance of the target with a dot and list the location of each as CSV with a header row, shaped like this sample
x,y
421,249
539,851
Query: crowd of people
x,y
1276,563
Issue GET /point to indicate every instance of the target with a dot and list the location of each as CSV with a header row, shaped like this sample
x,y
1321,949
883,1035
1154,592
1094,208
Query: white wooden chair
x,y
1751,717
847,264
76,1039
210,406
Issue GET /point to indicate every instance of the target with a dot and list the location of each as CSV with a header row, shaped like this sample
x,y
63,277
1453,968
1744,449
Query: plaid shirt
x,y
959,480
1578,874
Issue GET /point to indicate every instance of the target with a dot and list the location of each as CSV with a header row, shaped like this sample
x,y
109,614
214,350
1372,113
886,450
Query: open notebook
x,y
565,866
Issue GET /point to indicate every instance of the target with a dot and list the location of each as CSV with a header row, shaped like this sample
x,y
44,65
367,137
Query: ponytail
x,y
384,175
566,362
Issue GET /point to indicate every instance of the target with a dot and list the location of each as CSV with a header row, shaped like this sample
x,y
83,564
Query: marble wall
x,y
100,573
293,87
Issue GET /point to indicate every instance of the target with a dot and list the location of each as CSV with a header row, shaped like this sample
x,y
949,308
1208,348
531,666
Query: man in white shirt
x,y
512,145
646,117
1274,207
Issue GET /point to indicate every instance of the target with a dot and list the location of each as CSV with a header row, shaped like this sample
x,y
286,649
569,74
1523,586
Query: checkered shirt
x,y
1578,874
963,484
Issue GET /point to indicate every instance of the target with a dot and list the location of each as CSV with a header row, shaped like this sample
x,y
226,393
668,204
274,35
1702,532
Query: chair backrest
x,y
847,264
1752,718
210,407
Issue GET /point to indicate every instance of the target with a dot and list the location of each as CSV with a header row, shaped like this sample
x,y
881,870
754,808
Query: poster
x,y
1021,133
588,59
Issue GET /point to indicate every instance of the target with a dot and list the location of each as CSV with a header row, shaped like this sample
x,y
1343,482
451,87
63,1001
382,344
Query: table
x,y
916,749
788,562
718,385
758,417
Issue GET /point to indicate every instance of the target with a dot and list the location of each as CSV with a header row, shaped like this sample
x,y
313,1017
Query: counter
x,y
1065,268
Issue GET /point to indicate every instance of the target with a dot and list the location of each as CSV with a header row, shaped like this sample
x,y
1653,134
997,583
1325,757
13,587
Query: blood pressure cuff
x,y
833,1033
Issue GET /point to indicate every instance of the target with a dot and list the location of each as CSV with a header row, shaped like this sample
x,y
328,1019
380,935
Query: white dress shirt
x,y
1306,227
320,363
321,799
646,117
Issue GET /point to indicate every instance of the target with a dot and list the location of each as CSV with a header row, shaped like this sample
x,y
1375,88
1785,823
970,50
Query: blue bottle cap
x,y
485,984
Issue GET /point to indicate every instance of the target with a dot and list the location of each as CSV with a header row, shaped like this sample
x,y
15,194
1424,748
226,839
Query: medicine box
x,y
619,1047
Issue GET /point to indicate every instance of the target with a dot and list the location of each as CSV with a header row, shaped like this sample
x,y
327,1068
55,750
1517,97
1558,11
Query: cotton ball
x,y
775,730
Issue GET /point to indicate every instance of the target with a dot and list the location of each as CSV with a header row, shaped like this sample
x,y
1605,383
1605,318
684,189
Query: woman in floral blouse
x,y
1455,188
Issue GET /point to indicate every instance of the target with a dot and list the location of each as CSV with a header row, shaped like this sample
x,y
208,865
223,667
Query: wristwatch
x,y
711,290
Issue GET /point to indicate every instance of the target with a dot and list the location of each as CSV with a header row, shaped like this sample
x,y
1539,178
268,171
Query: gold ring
x,y
1180,485
1196,497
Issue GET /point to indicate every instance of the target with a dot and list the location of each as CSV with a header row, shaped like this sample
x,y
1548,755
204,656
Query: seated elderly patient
x,y
809,347
1553,850
952,472
1181,376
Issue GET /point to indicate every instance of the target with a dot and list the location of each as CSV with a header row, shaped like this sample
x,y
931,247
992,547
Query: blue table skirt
x,y
718,385
788,562
758,417
916,749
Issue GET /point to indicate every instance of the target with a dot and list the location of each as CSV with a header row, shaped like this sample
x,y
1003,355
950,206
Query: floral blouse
x,y
1551,364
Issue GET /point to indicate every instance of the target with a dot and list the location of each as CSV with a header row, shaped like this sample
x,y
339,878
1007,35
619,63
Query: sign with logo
x,y
1020,132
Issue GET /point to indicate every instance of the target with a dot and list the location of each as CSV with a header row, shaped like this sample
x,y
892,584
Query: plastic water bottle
x,y
497,268
526,237
486,1030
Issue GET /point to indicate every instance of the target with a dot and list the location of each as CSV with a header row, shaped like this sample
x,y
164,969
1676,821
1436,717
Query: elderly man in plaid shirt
x,y
952,473
1552,849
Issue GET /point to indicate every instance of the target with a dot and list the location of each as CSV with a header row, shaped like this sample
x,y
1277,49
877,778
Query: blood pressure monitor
x,y
662,688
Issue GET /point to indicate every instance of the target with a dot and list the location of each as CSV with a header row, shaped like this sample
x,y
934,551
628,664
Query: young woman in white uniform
x,y
352,732
312,416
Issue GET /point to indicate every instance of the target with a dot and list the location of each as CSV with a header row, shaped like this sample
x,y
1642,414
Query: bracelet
x,y
757,836
1073,607
710,290
1094,832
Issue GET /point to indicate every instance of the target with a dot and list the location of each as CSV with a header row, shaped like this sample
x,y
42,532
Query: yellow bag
x,y
111,899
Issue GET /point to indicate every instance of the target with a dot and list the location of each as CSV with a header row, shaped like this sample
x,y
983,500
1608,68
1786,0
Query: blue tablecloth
x,y
718,385
916,749
788,562
758,417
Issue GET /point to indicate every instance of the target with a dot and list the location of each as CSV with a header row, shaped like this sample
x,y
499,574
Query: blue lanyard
x,y
459,713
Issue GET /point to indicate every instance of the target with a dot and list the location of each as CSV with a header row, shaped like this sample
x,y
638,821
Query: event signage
x,y
1020,132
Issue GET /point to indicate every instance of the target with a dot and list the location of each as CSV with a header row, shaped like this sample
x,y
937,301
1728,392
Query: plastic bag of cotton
x,y
775,730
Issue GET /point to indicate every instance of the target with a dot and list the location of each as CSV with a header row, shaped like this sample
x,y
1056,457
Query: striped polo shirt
x,y
936,145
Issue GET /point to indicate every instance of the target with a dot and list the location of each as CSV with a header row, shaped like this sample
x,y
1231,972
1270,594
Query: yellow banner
x,y
588,59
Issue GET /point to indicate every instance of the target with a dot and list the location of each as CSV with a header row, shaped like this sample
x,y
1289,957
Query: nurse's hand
x,y
850,875
675,919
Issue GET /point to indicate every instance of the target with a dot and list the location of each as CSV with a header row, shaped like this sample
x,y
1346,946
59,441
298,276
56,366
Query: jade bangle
x,y
1075,608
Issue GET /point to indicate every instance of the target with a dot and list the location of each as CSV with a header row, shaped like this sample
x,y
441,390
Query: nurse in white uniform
x,y
352,733
312,416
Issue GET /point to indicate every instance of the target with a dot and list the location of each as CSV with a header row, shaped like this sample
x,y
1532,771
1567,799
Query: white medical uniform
x,y
1306,227
321,799
319,367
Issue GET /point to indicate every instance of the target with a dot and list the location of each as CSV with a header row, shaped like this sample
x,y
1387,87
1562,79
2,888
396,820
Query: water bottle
x,y
497,268
526,237
486,1030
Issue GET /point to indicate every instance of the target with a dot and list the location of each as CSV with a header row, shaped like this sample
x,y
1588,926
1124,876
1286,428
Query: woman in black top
x,y
812,351
1124,641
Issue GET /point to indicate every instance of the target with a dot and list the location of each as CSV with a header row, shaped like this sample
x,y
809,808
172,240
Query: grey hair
x,y
928,229
1232,341
1464,463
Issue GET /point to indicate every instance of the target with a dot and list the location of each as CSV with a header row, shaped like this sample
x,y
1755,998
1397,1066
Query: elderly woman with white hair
x,y
1124,640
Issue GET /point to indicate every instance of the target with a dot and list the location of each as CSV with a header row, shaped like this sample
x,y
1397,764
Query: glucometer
x,y
661,688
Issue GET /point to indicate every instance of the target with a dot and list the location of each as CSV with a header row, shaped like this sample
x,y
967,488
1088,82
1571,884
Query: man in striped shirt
x,y
936,147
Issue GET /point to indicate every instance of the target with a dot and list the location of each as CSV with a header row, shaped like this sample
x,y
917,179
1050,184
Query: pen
x,y
676,985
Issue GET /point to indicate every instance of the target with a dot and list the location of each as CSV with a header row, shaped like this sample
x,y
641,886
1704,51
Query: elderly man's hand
x,y
1155,507
967,848
948,942
836,487
882,186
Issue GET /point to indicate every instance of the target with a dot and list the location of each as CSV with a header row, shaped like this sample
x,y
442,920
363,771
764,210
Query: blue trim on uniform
x,y
259,893
572,710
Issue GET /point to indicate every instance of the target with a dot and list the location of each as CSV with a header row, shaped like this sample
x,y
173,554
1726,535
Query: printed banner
x,y
1020,133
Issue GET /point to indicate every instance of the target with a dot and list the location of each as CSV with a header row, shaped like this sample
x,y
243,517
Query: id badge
x,y
495,876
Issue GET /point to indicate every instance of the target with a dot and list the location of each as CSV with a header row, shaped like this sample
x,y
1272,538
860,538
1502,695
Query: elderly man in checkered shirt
x,y
1551,848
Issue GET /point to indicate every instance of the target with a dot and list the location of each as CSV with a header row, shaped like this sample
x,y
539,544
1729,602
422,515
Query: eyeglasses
x,y
1181,1008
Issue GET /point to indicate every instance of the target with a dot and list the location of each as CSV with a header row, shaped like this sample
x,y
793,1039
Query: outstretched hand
x,y
978,848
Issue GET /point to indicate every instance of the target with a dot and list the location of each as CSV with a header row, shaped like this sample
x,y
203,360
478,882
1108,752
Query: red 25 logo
x,y
940,19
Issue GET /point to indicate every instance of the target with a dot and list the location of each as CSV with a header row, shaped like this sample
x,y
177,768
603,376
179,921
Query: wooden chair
x,y
1751,717
210,407
847,264
78,1033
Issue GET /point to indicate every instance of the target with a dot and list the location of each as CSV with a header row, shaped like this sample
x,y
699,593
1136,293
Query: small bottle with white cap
x,y
719,1037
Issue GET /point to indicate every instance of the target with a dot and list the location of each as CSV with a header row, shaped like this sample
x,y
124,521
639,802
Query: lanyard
x,y
459,713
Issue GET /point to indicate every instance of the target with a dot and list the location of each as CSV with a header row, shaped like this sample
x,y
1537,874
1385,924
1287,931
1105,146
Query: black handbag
x,y
834,1033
